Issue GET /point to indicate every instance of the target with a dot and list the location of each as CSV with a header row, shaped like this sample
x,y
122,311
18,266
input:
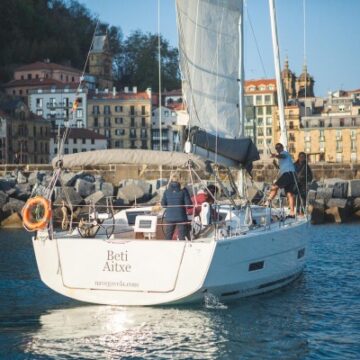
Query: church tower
x,y
288,78
100,62
305,84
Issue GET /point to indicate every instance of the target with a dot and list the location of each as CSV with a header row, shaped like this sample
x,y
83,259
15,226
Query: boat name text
x,y
117,262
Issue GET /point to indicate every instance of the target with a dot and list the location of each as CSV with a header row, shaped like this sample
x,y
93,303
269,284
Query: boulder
x,y
147,187
3,199
339,211
7,184
329,183
107,189
354,188
46,179
356,204
161,182
324,193
340,203
340,190
21,178
84,188
95,198
34,178
13,221
69,178
311,197
13,205
133,193
86,176
39,189
74,197
318,212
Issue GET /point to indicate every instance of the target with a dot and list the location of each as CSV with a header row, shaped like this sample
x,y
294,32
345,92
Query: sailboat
x,y
246,250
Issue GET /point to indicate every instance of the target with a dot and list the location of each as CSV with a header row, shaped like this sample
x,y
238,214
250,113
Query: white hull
x,y
153,272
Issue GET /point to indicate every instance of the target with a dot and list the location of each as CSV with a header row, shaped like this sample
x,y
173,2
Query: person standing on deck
x,y
304,176
176,201
286,179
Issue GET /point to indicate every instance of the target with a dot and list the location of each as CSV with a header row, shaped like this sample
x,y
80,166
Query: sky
x,y
331,46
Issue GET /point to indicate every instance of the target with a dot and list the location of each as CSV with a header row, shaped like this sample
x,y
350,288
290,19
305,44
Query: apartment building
x,y
41,74
261,104
167,129
55,105
78,140
27,135
123,117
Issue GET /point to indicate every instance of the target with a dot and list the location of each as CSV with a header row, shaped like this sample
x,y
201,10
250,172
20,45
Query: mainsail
x,y
209,63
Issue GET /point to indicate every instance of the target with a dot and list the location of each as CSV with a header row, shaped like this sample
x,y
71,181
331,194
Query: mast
x,y
241,174
241,69
279,84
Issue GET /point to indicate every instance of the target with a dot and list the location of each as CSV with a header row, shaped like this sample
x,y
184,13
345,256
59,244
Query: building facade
x,y
41,75
56,105
261,106
123,117
167,131
28,135
3,138
78,140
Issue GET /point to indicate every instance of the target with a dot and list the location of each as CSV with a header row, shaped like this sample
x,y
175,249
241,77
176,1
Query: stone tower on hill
x,y
100,62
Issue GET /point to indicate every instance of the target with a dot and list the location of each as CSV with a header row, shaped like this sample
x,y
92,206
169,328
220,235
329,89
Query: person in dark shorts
x,y
176,200
286,180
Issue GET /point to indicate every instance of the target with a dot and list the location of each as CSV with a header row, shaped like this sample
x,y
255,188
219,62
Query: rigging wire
x,y
160,97
79,88
304,29
255,39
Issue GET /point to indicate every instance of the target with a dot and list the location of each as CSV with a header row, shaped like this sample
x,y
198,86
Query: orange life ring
x,y
36,213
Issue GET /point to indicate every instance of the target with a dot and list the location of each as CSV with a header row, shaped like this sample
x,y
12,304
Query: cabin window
x,y
256,266
301,253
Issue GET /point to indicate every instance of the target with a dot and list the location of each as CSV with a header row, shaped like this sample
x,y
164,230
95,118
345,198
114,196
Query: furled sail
x,y
209,63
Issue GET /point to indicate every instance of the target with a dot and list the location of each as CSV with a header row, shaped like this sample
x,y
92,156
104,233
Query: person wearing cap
x,y
286,180
202,196
176,200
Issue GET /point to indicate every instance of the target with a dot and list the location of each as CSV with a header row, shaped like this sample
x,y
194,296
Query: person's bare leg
x,y
273,192
291,200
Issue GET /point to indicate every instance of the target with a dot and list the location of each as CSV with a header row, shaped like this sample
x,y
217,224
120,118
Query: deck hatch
x,y
256,265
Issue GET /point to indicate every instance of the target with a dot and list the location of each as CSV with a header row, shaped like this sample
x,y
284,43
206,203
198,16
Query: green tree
x,y
138,63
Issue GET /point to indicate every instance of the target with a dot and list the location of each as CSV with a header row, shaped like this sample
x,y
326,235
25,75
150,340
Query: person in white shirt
x,y
286,180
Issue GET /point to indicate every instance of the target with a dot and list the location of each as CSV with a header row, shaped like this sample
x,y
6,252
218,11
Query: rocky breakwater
x,y
334,200
15,189
80,189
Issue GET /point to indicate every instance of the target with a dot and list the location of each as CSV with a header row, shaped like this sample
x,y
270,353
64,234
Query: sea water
x,y
316,317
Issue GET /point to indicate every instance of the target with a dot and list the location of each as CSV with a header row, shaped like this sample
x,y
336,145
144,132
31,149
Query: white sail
x,y
209,62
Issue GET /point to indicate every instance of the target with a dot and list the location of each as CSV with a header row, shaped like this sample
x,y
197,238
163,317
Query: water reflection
x,y
96,332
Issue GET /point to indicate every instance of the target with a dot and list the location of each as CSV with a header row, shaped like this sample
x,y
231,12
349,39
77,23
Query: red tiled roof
x,y
176,92
37,83
39,65
80,133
